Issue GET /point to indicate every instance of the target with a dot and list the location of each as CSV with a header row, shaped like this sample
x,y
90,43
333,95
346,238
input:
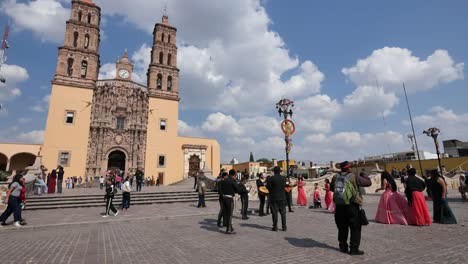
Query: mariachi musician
x,y
261,193
288,189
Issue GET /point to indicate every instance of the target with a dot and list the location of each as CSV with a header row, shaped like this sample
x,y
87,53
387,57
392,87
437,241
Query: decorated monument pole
x,y
288,127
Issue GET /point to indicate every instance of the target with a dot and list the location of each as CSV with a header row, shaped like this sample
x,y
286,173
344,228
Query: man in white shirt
x,y
126,189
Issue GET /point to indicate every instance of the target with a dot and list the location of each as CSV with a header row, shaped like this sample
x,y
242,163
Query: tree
x,y
265,160
251,157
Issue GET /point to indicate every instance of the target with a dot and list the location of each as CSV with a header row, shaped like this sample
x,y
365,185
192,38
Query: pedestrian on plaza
x,y
80,180
277,195
442,213
60,173
13,201
462,187
418,212
111,191
301,195
229,188
101,182
126,189
201,194
268,204
392,208
139,179
52,182
223,177
328,194
288,192
40,184
317,199
244,195
348,200
73,182
261,196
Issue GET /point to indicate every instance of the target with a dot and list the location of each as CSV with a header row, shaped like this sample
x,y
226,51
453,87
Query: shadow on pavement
x,y
210,225
256,226
308,242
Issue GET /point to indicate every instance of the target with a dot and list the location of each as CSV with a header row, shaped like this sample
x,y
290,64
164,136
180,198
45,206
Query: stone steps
x,y
59,202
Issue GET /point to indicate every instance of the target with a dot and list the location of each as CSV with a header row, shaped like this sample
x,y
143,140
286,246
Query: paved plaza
x,y
182,233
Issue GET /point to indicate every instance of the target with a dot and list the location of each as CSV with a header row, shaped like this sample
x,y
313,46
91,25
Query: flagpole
x,y
412,127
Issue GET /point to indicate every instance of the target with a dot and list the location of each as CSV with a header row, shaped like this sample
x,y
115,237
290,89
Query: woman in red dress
x,y
393,208
52,182
328,194
301,195
418,213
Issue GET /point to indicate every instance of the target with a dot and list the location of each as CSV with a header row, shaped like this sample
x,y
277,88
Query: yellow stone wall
x,y
60,136
449,163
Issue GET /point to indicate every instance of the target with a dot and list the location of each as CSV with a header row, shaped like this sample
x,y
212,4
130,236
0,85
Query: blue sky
x,y
237,58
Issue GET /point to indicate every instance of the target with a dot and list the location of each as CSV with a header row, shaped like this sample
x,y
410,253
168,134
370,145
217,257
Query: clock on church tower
x,y
124,68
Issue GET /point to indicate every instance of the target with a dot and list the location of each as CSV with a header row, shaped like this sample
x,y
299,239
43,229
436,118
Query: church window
x,y
162,37
80,15
70,67
89,18
168,38
161,57
169,57
86,41
70,117
84,68
120,123
64,158
169,83
75,38
161,160
159,82
163,124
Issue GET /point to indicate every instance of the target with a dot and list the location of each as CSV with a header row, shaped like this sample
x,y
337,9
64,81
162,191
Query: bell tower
x,y
78,58
163,74
69,117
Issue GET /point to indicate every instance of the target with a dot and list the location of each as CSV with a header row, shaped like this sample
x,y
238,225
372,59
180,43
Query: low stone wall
x,y
3,189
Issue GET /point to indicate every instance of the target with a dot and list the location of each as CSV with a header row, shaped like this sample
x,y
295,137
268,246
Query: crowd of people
x,y
343,198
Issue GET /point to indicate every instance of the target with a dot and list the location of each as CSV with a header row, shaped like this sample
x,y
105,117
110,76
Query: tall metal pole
x,y
412,127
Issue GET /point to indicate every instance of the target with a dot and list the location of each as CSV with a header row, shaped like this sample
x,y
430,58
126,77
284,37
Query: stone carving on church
x,y
118,123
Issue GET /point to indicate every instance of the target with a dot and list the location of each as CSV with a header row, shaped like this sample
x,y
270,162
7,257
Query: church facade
x,y
96,125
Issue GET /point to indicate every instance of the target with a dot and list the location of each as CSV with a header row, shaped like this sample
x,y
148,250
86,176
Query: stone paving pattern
x,y
311,238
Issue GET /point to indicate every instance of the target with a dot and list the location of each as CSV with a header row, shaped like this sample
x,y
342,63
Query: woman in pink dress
x,y
301,195
393,208
418,213
52,182
328,194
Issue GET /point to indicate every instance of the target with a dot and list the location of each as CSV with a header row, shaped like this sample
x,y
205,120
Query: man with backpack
x,y
348,201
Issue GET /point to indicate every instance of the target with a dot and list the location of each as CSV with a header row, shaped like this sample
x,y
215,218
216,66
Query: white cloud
x,y
14,75
42,104
24,120
188,130
221,123
391,66
451,124
45,18
315,113
369,102
32,137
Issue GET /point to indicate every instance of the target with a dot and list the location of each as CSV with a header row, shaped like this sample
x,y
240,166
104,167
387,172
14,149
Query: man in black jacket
x,y
139,179
275,185
223,177
261,196
244,194
229,188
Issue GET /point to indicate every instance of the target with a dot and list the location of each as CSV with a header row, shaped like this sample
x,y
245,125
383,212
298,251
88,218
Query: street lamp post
x,y
284,107
434,133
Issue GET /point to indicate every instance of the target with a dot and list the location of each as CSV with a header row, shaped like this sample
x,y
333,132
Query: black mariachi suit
x,y
244,193
275,185
220,199
261,197
109,197
229,187
289,198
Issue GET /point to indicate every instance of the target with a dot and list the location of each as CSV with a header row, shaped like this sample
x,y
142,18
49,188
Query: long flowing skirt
x,y
328,199
392,209
301,197
418,213
442,212
332,207
51,185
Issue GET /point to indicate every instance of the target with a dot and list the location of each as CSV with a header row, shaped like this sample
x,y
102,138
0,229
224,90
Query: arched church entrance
x,y
20,161
3,162
116,160
194,165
